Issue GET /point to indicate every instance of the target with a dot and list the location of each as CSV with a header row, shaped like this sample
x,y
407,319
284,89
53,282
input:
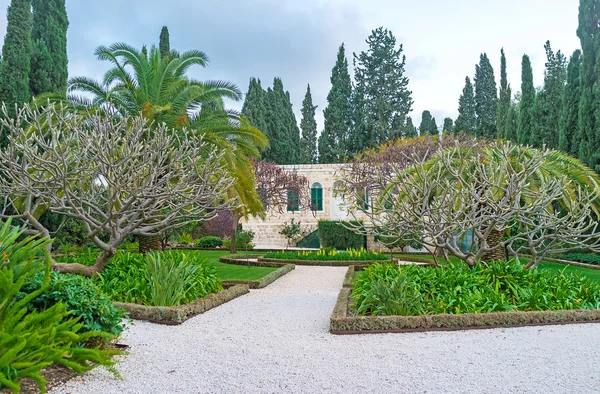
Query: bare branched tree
x,y
276,187
118,176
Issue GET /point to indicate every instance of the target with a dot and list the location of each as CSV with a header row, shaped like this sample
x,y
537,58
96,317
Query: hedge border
x,y
173,315
242,260
341,323
264,281
330,263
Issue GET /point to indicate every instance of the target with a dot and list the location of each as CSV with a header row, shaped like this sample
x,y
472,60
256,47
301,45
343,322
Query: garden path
x,y
276,340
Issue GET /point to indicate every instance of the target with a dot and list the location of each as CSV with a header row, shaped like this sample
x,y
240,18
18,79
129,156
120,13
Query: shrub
x,y
185,238
210,242
82,298
159,278
586,258
333,234
243,240
328,255
456,288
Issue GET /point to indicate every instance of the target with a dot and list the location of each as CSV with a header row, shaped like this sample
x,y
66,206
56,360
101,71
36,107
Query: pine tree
x,y
411,129
425,128
569,136
334,140
381,89
512,123
466,120
504,101
164,42
16,57
589,106
49,40
448,125
526,129
308,125
549,101
486,98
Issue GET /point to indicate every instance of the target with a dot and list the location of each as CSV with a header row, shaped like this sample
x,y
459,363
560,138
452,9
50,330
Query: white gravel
x,y
276,340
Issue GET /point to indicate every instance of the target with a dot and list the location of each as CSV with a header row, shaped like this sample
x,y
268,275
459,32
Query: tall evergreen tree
x,y
49,40
512,123
466,120
589,106
255,106
549,101
486,98
448,125
569,136
16,57
381,88
433,127
504,101
308,126
282,128
334,140
425,128
164,44
411,129
526,133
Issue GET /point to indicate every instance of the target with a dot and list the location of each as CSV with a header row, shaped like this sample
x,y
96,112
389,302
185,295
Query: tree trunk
x,y
77,268
494,240
149,243
234,226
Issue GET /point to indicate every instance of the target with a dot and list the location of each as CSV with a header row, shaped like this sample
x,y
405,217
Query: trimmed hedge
x,y
209,242
333,234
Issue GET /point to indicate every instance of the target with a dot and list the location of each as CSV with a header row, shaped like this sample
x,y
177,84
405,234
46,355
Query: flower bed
x,y
327,255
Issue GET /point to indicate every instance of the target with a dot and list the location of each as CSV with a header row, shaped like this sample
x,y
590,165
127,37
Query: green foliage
x,y
526,132
20,254
426,126
158,278
455,288
291,230
30,341
329,255
65,230
486,98
185,238
512,123
81,297
243,240
381,95
255,105
448,125
16,58
586,258
333,234
49,58
164,44
504,101
333,141
569,138
282,128
209,242
308,126
466,120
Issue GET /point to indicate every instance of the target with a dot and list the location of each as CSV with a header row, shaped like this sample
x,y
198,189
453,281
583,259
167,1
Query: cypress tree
x,y
382,89
333,142
164,44
16,57
466,120
448,125
589,123
425,128
486,98
255,107
526,127
282,128
512,123
569,137
433,127
411,129
49,39
308,125
504,100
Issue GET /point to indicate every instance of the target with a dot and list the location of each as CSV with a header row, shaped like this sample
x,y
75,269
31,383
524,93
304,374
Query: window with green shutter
x,y
293,202
316,197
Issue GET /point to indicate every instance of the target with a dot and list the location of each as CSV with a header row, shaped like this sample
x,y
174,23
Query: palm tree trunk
x,y
149,243
494,239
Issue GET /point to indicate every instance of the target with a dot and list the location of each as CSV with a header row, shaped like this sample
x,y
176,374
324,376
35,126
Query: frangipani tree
x,y
119,176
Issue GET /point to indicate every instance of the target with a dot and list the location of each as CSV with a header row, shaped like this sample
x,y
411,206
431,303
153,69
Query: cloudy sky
x,y
298,40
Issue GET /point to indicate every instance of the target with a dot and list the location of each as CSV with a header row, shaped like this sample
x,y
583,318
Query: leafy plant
x,y
328,254
243,240
185,238
291,231
586,258
20,253
385,289
210,242
81,297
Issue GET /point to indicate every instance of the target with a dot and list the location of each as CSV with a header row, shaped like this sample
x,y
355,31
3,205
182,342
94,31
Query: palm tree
x,y
143,81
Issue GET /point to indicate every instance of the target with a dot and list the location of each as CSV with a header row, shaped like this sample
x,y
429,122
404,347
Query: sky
x,y
298,40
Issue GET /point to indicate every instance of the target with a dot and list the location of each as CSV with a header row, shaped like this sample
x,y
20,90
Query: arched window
x,y
316,197
293,201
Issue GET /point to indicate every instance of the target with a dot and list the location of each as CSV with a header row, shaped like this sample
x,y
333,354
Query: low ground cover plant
x,y
210,242
328,255
159,278
387,290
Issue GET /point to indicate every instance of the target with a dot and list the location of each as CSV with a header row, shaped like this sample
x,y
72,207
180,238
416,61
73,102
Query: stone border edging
x,y
244,261
341,323
328,263
178,314
264,281
349,277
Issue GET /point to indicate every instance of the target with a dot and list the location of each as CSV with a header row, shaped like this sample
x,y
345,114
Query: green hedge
x,y
333,234
586,258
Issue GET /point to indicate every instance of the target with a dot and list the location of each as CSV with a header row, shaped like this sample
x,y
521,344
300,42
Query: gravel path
x,y
276,340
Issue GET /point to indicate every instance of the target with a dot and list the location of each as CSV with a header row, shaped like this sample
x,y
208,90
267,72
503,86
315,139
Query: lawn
x,y
225,271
